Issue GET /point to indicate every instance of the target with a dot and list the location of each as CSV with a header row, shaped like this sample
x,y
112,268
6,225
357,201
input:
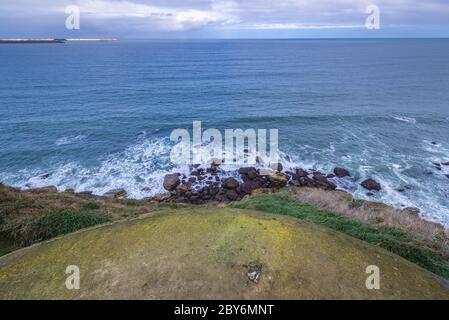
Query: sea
x,y
98,116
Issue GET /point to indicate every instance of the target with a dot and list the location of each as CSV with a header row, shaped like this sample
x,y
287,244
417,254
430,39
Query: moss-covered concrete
x,y
206,253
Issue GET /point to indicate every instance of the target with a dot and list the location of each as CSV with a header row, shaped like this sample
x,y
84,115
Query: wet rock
x,y
245,170
277,166
116,194
370,194
171,181
198,172
371,184
212,169
146,189
70,191
330,176
45,176
301,173
192,179
400,190
341,172
249,172
445,163
447,175
230,183
278,180
322,182
319,177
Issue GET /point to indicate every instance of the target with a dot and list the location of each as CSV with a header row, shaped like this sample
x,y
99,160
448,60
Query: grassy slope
x,y
394,240
205,253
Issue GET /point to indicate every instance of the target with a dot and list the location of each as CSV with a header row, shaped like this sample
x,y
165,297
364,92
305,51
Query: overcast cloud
x,y
223,18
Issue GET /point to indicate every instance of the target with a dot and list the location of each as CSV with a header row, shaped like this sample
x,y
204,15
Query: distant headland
x,y
38,41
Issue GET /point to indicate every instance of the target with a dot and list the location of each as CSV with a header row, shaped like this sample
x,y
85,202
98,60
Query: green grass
x,y
2,221
394,240
91,206
52,224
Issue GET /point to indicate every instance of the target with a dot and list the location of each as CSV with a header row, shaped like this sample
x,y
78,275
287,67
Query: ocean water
x,y
97,116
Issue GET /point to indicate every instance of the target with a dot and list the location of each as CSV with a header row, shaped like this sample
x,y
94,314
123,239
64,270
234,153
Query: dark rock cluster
x,y
213,184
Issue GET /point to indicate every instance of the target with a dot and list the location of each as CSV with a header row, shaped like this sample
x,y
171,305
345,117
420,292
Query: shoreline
x,y
210,183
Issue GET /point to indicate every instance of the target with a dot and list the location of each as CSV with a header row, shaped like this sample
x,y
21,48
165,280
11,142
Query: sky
x,y
135,19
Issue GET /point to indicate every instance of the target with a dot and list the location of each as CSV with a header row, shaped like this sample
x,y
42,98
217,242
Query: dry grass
x,y
33,215
17,206
431,234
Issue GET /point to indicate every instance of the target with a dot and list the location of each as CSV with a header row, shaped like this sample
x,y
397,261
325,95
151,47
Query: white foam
x,y
70,140
405,119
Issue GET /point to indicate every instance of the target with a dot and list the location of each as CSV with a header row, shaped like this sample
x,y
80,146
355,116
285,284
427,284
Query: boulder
x,y
320,177
266,172
249,172
230,183
232,195
116,194
182,188
301,173
249,186
322,181
278,180
371,184
341,172
171,181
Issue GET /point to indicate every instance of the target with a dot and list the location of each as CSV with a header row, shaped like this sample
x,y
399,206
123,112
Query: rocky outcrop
x,y
171,181
230,183
278,180
207,184
341,172
371,184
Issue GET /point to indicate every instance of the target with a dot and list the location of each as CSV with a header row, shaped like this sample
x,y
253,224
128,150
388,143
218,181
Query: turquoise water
x,y
97,116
